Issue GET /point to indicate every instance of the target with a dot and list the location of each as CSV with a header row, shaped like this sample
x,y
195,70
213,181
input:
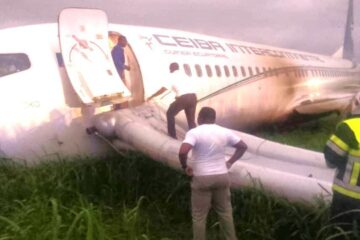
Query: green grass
x,y
311,135
133,197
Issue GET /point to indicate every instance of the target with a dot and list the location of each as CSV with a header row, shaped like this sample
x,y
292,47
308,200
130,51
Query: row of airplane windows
x,y
12,63
233,71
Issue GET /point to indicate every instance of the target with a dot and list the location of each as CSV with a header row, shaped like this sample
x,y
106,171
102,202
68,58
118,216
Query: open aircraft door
x,y
87,58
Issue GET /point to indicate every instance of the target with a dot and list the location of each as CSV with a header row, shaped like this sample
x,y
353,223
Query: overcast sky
x,y
307,25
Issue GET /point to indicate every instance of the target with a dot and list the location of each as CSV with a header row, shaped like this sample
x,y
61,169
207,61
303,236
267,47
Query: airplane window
x,y
227,72
198,70
187,69
235,72
257,70
13,62
218,71
250,71
243,72
208,70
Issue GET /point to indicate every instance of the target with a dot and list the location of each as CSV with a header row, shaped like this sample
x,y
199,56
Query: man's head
x,y
207,115
122,41
114,36
173,67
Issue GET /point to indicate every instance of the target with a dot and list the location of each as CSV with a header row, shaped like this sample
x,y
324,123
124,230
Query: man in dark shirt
x,y
118,56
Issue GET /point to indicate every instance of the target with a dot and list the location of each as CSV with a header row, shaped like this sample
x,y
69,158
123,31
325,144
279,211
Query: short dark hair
x,y
207,114
122,38
113,33
174,66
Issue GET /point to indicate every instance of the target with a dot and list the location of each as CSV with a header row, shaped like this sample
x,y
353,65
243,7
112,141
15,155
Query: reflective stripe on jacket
x,y
342,152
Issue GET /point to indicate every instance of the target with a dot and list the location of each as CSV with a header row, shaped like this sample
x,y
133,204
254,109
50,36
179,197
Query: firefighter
x,y
342,151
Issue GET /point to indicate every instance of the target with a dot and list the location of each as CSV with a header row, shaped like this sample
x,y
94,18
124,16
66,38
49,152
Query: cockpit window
x,y
13,62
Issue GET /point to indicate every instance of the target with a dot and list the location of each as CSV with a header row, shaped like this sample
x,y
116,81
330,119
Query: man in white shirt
x,y
210,183
185,99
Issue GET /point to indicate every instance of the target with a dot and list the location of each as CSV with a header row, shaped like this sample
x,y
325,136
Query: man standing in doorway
x,y
117,53
210,185
185,99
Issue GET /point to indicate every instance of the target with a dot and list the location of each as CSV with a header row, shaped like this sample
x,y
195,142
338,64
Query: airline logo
x,y
219,49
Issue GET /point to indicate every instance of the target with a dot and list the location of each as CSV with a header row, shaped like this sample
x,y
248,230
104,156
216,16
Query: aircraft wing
x,y
315,104
292,172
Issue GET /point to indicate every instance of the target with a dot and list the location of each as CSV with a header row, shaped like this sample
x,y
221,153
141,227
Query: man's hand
x,y
189,171
240,150
127,67
160,91
228,164
183,153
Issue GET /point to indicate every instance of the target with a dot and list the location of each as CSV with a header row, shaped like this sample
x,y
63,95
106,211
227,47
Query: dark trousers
x,y
345,213
186,102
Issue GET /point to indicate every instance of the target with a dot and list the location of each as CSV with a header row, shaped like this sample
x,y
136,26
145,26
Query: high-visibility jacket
x,y
342,151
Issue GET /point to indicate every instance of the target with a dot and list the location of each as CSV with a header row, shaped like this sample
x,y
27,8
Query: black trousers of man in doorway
x,y
186,102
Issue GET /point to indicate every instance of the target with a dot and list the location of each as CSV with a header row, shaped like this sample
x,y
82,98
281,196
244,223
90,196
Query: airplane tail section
x,y
348,48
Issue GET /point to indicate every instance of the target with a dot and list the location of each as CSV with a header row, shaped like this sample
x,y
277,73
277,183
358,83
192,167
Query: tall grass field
x,y
133,197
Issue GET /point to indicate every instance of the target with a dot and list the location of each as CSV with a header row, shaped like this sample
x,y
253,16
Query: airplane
x,y
59,88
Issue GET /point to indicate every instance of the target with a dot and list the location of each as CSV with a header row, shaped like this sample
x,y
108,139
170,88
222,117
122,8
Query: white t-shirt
x,y
179,83
208,154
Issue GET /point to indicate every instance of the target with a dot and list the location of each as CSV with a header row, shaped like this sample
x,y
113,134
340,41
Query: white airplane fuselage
x,y
248,84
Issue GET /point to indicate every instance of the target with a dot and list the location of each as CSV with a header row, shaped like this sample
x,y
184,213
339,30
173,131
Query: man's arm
x,y
160,91
240,150
183,156
333,159
337,147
